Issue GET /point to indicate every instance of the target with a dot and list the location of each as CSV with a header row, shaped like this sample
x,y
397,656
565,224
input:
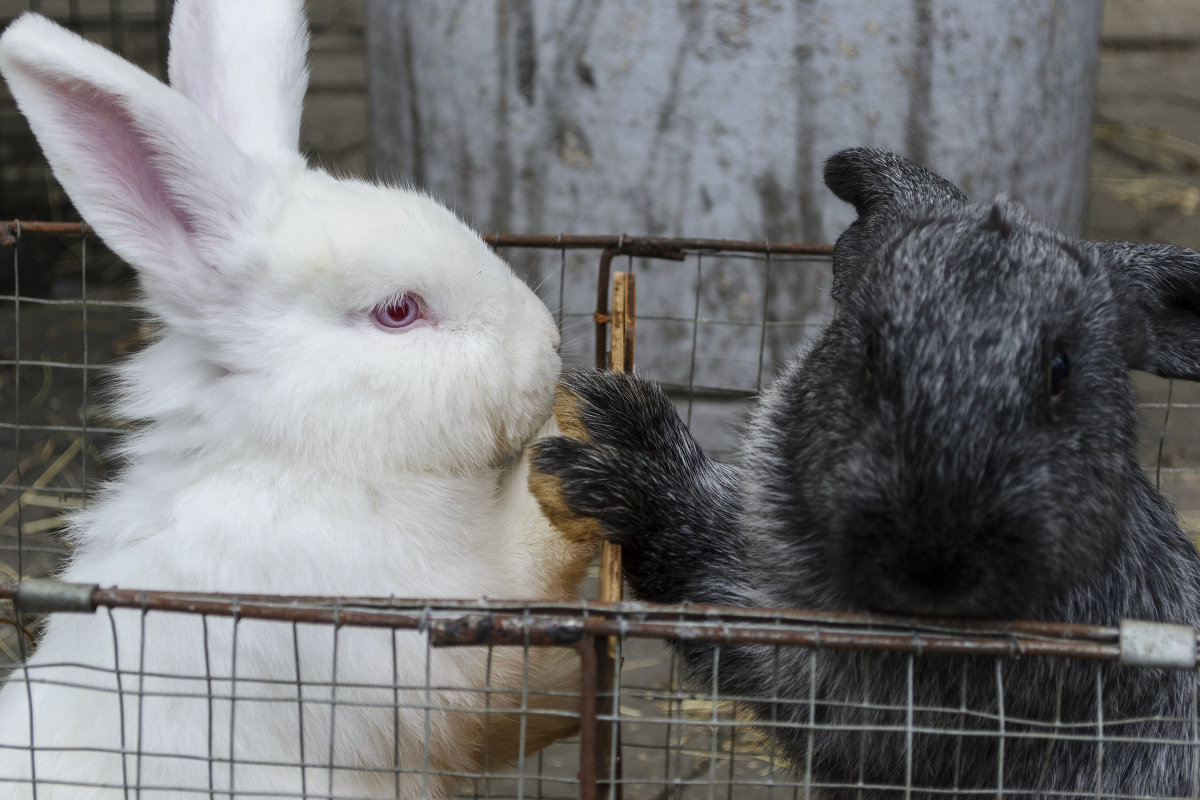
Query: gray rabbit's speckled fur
x,y
960,441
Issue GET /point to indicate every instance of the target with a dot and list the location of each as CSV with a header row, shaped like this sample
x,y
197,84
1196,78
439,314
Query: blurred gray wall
x,y
712,118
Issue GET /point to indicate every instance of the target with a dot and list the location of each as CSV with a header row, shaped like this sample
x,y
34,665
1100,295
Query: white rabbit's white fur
x,y
286,443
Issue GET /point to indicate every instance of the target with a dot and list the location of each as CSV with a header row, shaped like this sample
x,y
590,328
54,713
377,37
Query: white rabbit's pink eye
x,y
399,313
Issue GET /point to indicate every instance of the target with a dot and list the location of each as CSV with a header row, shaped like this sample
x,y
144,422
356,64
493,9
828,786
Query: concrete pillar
x,y
709,118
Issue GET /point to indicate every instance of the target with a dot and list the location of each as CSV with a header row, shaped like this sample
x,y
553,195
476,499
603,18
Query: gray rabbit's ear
x,y
876,181
1161,329
885,189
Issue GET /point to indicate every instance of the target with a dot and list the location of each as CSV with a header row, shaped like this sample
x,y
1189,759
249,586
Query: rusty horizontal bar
x,y
655,246
648,246
497,629
283,605
477,622
11,230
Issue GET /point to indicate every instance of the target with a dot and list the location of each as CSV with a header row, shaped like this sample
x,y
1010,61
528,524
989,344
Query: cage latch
x,y
1157,644
42,596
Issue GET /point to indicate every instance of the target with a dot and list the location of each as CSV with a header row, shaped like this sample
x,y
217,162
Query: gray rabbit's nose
x,y
920,565
915,581
930,587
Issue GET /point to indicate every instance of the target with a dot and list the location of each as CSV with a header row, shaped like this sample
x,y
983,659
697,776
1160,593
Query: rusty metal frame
x,y
460,623
653,247
666,247
585,626
12,230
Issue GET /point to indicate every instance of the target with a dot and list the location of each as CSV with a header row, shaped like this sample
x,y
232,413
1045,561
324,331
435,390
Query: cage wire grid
x,y
715,321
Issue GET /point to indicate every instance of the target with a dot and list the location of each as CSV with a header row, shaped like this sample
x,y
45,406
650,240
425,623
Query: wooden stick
x,y
624,323
624,326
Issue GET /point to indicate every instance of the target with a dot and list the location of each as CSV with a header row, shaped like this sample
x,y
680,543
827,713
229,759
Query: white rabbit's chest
x,y
233,532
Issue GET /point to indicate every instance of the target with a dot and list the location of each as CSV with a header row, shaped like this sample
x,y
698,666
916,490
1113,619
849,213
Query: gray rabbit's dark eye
x,y
1060,371
871,354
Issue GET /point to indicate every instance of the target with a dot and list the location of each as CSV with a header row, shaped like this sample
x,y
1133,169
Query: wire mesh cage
x,y
850,705
135,28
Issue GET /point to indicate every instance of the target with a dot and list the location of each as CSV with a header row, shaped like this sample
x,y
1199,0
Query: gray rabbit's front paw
x,y
594,480
628,469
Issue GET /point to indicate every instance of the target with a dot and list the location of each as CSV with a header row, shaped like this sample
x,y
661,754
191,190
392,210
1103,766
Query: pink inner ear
x,y
124,154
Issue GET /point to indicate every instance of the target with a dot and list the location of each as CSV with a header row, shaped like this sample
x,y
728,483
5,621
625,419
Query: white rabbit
x,y
337,403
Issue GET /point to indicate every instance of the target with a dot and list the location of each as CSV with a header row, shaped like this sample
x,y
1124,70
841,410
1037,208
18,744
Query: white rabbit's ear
x,y
244,62
161,183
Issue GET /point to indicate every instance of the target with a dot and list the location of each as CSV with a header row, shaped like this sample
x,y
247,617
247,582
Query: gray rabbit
x,y
960,441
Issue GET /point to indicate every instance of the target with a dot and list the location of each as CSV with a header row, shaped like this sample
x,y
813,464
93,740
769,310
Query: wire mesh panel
x,y
55,438
708,330
224,714
858,705
863,723
715,318
135,28
942,713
